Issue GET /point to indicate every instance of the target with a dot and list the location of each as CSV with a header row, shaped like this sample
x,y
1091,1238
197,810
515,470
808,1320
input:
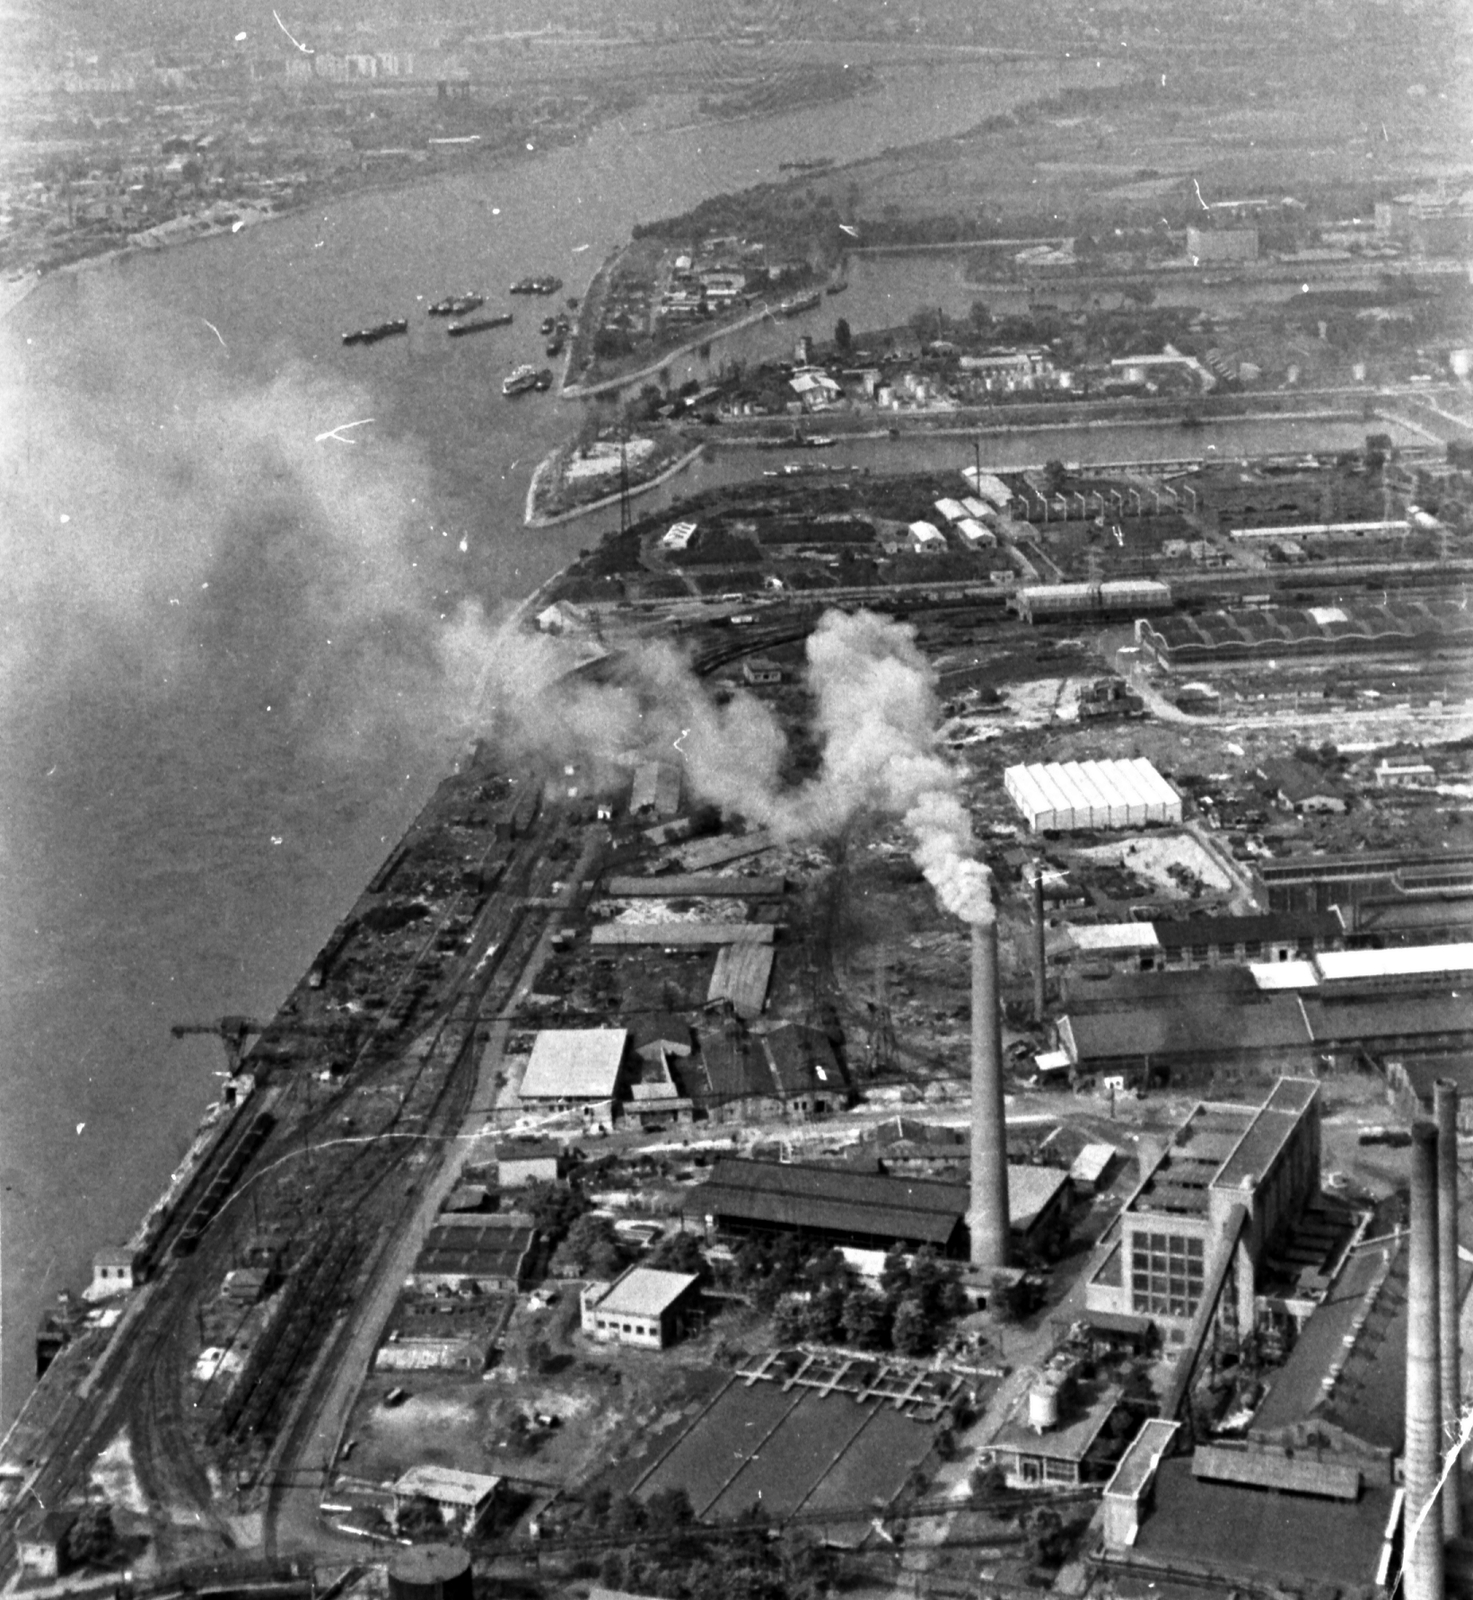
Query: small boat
x,y
554,347
479,325
838,286
799,302
819,441
543,380
547,325
457,305
520,379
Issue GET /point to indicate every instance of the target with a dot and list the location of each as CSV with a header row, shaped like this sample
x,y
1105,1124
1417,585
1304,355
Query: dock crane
x,y
231,1031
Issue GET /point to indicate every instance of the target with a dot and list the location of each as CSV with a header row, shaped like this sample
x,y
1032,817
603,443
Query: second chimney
x,y
1445,1102
1422,1553
988,1217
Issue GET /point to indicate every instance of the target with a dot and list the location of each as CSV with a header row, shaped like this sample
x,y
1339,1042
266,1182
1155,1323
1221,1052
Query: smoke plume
x,y
875,717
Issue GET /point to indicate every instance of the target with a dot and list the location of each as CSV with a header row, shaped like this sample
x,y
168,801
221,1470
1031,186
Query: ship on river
x,y
501,320
457,305
380,330
520,379
548,285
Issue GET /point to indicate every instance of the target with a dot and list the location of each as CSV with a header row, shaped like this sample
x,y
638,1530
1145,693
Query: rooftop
x,y
646,1292
447,1485
575,1064
1418,960
1229,1529
1142,1455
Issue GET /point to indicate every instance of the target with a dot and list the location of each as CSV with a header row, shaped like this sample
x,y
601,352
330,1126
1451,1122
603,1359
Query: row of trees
x,y
816,1295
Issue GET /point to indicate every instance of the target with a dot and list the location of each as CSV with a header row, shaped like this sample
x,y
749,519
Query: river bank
x,y
532,517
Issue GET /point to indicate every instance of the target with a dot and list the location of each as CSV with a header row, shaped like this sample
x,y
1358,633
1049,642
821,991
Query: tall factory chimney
x,y
988,1218
1040,970
1445,1102
1422,1550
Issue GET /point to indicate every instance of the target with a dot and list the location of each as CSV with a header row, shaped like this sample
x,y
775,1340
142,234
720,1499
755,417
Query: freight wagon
x,y
1115,597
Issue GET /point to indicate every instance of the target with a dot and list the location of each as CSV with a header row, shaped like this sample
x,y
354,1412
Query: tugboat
x,y
554,347
457,305
537,286
520,379
542,381
501,320
548,324
381,330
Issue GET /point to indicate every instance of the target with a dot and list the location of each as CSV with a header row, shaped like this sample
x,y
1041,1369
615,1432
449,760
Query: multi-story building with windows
x,y
1209,1209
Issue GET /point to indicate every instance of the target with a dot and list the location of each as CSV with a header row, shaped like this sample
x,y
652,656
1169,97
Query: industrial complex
x,y
946,1099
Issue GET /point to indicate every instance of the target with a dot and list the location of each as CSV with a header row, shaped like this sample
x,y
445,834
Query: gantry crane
x,y
231,1031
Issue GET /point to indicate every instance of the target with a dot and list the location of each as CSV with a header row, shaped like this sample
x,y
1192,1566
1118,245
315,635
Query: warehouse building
x,y
1208,1209
1115,597
864,1210
582,1069
1068,795
644,1308
1366,885
485,1254
1208,941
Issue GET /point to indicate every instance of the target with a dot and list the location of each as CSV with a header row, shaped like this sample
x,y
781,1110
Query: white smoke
x,y
875,718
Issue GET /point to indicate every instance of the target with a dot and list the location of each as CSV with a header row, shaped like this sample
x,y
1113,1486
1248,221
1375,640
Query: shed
x,y
1091,1168
113,1272
974,535
530,1161
656,790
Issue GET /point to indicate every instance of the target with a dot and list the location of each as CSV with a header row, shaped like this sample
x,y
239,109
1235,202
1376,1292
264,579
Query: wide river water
x,y
235,650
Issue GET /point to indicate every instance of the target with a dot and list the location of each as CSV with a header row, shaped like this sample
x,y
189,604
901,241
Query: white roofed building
x,y
462,1498
1067,795
926,538
973,534
575,1068
642,1307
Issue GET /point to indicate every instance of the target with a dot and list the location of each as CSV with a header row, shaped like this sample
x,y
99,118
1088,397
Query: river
x,y
236,653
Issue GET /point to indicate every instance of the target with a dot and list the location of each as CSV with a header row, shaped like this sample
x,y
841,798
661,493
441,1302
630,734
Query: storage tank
x,y
430,1572
1043,1407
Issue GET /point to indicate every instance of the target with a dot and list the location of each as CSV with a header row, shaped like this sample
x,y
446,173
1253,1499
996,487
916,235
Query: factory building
x,y
1069,795
1191,942
1367,886
644,1308
1227,1187
576,1069
1209,246
864,1210
1298,633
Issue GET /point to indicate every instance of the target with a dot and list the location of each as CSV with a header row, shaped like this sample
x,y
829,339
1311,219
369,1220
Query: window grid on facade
x,y
1166,1274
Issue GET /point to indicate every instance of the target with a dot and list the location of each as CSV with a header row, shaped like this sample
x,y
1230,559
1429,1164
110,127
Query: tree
x,y
91,1539
554,1207
979,316
1055,476
681,1252
895,1274
843,337
593,1248
914,1334
419,1518
866,1320
787,1319
823,1316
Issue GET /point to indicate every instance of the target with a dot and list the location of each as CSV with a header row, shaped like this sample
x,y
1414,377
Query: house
x,y
562,617
1302,787
576,1069
113,1272
642,1307
761,670
530,1161
462,1498
817,390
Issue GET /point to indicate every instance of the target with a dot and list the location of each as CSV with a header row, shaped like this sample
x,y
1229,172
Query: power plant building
x,y
1069,795
1230,1183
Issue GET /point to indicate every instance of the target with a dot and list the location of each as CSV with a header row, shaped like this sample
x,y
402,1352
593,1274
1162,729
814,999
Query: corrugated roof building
x,y
1068,795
